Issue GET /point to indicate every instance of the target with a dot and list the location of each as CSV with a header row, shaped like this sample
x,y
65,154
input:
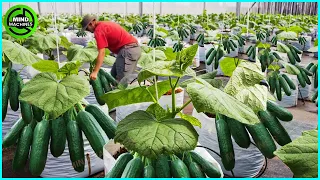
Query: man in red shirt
x,y
112,36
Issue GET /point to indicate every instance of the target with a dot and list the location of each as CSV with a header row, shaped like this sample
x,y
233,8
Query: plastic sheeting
x,y
248,161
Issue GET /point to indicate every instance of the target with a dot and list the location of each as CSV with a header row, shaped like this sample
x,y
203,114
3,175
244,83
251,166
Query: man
x,y
112,36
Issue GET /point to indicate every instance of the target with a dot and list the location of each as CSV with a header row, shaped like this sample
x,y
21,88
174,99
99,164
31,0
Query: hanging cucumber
x,y
162,167
5,93
105,121
289,81
58,136
39,147
275,128
120,165
14,90
284,85
97,89
178,168
280,112
238,132
225,143
134,169
149,171
37,113
13,134
75,144
207,167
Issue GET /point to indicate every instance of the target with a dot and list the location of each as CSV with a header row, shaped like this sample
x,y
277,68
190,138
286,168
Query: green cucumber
x,y
149,172
75,145
39,147
315,80
272,84
120,165
14,90
305,77
37,113
284,85
211,57
314,97
207,167
110,79
134,169
278,89
289,81
93,131
225,143
209,52
58,136
301,80
105,121
196,171
13,134
314,68
179,169
104,82
278,132
97,89
23,148
263,139
238,132
5,93
162,167
280,112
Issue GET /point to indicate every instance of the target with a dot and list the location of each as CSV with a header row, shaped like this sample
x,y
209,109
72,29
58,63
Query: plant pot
x,y
248,161
290,101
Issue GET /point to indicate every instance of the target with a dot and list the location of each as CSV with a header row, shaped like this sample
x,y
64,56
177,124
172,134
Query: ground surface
x,y
306,113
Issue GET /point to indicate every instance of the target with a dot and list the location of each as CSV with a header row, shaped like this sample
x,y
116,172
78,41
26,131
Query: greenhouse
x,y
160,89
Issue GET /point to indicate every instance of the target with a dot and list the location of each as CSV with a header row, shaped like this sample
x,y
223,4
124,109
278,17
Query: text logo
x,y
20,21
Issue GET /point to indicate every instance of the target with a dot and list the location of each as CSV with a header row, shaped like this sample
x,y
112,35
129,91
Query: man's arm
x,y
99,63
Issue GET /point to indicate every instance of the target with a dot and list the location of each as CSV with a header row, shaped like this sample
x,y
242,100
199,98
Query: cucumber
x,y
285,86
14,90
209,52
292,59
280,112
13,134
134,169
272,84
97,89
305,77
105,121
315,80
196,171
149,172
225,143
162,167
94,133
278,132
263,139
179,169
238,132
207,167
289,81
58,136
37,113
301,80
26,111
23,147
39,147
211,57
5,94
120,165
314,68
314,97
104,82
75,145
68,115
308,73
110,78
278,89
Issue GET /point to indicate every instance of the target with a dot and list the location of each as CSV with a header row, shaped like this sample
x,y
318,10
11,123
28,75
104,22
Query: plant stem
x,y
154,100
185,105
156,87
79,106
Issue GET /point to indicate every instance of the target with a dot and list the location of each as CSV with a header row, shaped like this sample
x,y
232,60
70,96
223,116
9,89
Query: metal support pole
x,y
39,8
238,6
160,8
204,6
80,8
140,8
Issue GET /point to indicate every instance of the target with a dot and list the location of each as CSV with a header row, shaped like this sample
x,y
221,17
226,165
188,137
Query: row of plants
x,y
156,138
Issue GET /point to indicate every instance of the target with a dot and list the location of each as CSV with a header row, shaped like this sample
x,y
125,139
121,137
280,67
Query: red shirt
x,y
112,36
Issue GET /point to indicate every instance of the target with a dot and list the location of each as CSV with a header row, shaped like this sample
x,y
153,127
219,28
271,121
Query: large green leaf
x,y
244,86
65,43
157,111
301,155
192,120
296,29
135,94
212,100
78,53
228,65
291,69
170,54
109,60
55,98
18,54
70,68
46,66
287,35
142,133
160,68
146,59
186,56
43,42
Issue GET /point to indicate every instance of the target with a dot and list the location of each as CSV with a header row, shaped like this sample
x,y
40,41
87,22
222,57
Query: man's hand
x,y
93,75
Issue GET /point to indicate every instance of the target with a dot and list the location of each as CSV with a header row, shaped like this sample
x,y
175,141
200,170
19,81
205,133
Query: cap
x,y
86,21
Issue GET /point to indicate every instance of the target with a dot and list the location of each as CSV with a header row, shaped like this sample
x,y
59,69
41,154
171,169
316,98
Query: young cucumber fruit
x,y
207,167
179,169
120,165
238,132
58,136
280,112
162,167
134,169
